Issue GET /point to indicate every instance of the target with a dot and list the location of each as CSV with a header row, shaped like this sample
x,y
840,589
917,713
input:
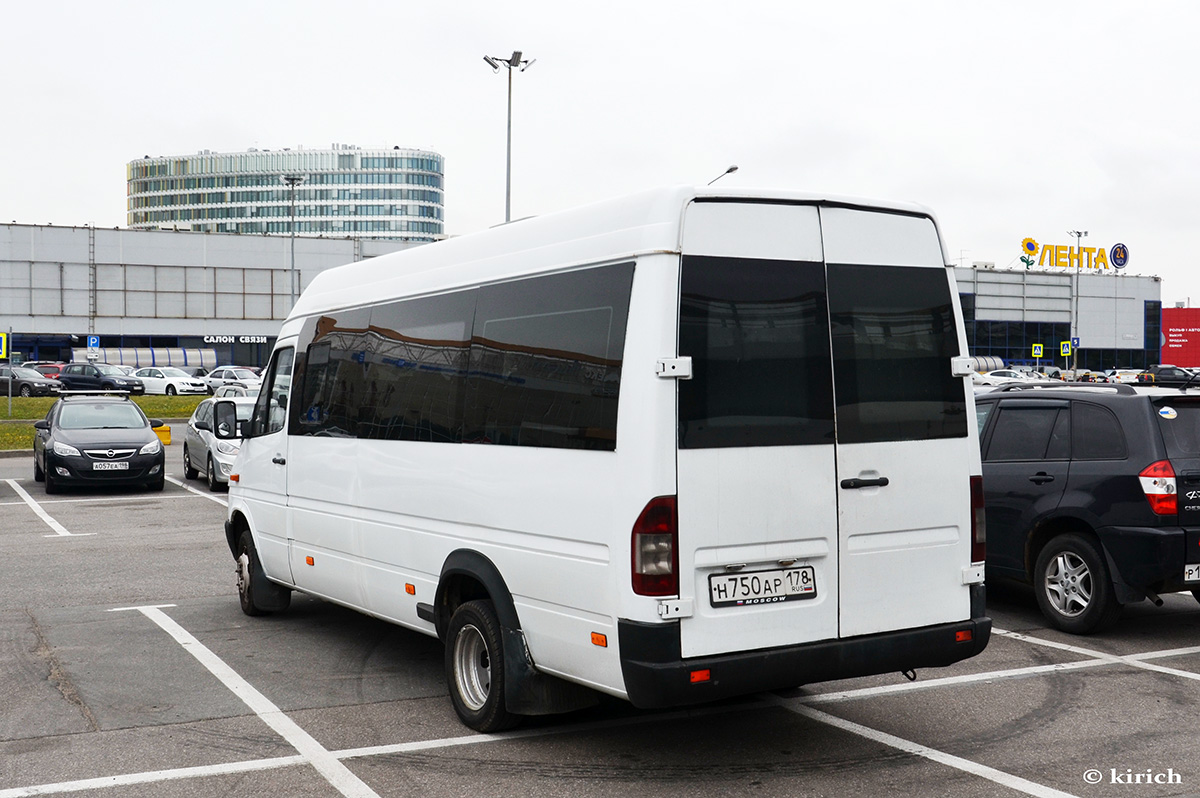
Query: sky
x,y
1013,120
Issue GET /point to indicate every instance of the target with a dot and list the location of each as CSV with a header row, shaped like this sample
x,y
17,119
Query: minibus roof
x,y
639,224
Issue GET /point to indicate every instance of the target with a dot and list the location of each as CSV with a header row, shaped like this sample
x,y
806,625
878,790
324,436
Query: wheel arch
x,y
1048,529
234,527
466,576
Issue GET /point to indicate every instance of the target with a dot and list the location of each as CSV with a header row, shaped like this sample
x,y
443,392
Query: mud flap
x,y
528,691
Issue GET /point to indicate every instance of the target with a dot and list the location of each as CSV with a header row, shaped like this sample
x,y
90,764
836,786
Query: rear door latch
x,y
679,368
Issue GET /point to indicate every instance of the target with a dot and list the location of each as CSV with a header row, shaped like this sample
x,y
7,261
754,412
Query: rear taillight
x,y
655,549
1158,483
978,521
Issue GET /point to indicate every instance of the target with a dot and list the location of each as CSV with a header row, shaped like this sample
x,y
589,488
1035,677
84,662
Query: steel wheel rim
x,y
243,572
472,667
1069,584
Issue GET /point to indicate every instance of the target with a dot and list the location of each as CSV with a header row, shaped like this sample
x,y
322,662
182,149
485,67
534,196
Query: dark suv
x,y
99,377
1093,495
1168,376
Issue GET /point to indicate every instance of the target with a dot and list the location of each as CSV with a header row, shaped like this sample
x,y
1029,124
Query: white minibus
x,y
675,447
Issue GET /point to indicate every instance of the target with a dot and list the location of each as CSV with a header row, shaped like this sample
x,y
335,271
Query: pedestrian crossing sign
x,y
1064,348
3,345
1037,350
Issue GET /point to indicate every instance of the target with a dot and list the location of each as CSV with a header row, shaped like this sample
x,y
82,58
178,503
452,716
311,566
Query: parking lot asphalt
x,y
128,669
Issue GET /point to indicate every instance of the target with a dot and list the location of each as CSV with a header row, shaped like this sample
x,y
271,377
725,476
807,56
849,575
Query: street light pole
x,y
292,181
1079,235
515,62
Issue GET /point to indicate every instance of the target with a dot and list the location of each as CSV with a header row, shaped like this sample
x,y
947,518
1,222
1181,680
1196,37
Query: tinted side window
x,y
545,360
894,333
418,368
335,368
1096,433
1022,433
758,335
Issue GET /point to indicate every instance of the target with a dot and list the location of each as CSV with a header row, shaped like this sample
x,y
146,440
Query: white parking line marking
x,y
329,766
966,765
190,489
59,530
1133,660
154,776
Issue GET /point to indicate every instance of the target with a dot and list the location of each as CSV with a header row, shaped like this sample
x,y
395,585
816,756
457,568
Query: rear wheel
x,y
1073,586
475,668
189,471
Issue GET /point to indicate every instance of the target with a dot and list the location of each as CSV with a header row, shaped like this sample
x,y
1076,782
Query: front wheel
x,y
170,390
258,595
1073,586
26,391
211,477
475,668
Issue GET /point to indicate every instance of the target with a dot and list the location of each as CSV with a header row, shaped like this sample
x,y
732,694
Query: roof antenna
x,y
728,171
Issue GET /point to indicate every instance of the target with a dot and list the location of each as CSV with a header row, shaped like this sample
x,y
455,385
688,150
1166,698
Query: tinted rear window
x,y
894,333
1180,425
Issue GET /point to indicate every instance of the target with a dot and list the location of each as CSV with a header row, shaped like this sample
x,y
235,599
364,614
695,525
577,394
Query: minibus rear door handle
x,y
279,460
856,483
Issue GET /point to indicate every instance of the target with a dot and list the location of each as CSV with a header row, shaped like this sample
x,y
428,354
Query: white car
x,y
169,380
1001,376
204,453
225,375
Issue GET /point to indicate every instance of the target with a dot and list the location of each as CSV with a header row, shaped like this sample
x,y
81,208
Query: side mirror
x,y
41,423
225,425
203,425
157,422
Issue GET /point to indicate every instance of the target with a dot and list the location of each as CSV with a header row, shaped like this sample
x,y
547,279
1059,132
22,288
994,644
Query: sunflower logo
x,y
1030,248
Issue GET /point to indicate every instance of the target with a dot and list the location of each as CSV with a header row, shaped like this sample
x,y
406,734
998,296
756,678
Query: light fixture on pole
x,y
292,181
1079,236
728,171
515,62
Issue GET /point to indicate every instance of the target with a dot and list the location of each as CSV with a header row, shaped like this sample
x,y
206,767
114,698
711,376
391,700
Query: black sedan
x,y
97,440
26,382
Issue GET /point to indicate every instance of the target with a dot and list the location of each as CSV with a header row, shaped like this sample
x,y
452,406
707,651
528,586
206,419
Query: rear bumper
x,y
1151,558
657,676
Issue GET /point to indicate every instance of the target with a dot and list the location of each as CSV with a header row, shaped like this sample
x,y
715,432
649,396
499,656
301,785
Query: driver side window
x,y
270,411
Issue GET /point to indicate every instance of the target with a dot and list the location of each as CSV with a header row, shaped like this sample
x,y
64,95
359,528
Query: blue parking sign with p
x,y
93,342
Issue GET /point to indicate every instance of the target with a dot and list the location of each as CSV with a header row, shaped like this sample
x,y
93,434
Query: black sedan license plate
x,y
762,587
120,466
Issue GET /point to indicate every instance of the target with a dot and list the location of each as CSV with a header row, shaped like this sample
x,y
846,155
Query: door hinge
x,y
972,575
675,608
678,368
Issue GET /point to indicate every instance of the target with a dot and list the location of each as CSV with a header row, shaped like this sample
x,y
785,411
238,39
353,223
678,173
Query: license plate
x,y
1191,573
762,587
121,466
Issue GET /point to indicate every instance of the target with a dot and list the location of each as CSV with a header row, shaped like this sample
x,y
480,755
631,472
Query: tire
x,y
1073,586
1195,593
210,477
157,484
257,594
475,668
189,471
170,390
26,391
38,474
52,485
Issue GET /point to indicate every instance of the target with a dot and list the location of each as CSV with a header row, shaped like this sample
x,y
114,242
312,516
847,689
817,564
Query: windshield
x,y
28,374
101,415
111,371
173,372
245,374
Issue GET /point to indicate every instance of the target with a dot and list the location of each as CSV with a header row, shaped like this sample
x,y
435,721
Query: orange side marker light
x,y
410,589
235,477
599,640
309,561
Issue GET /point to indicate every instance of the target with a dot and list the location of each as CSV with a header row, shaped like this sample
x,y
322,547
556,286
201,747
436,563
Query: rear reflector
x,y
1158,483
655,550
978,521
700,676
963,636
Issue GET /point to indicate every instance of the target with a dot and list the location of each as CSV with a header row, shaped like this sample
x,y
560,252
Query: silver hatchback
x,y
204,453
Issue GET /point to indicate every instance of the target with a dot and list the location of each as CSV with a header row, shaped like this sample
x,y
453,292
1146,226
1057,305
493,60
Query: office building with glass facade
x,y
1007,311
343,192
